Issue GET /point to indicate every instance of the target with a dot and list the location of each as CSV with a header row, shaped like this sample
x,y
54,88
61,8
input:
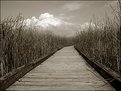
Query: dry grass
x,y
20,45
103,45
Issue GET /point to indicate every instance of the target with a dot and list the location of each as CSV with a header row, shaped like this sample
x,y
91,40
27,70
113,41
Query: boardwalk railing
x,y
13,76
65,70
113,78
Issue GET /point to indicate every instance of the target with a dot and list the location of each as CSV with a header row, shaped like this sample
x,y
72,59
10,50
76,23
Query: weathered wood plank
x,y
65,70
11,77
107,73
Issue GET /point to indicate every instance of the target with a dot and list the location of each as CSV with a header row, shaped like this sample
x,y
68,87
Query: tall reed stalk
x,y
20,45
102,42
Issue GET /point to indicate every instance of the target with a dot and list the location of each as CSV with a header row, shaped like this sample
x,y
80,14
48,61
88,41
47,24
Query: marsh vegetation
x,y
102,41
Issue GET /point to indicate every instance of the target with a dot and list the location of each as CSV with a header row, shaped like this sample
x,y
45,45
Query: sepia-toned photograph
x,y
60,45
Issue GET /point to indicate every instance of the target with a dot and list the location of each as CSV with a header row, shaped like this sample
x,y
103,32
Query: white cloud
x,y
64,17
27,21
44,20
45,16
86,25
66,29
72,6
49,22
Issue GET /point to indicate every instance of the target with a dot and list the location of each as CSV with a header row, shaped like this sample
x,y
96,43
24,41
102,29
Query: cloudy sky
x,y
56,12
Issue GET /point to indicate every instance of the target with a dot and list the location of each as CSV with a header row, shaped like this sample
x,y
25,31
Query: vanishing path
x,y
65,70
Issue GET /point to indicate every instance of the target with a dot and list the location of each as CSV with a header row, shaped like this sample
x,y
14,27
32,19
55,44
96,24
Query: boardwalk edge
x,y
15,75
106,73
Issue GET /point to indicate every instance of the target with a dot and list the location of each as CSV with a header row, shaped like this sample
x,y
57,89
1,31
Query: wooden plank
x,y
105,72
65,70
13,76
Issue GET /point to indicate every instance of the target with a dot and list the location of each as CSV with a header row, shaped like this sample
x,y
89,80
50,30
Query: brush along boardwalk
x,y
65,70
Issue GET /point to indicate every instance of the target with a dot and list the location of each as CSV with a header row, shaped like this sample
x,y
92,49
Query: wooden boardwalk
x,y
65,70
